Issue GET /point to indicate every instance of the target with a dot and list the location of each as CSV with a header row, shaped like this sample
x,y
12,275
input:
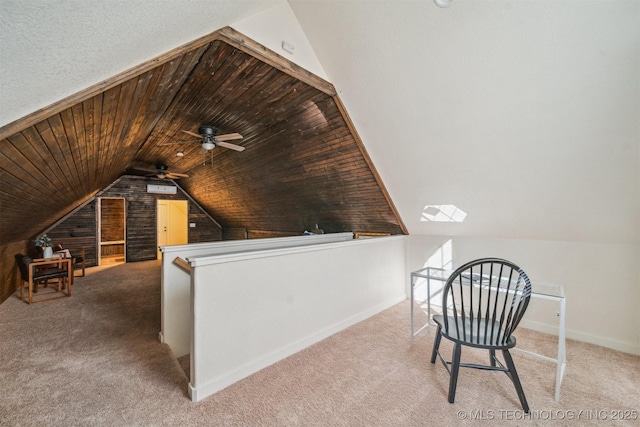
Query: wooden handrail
x,y
182,264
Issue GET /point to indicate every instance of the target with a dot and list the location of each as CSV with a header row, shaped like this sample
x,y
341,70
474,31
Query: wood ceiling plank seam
x,y
232,109
205,78
288,96
299,111
89,140
299,118
65,162
188,62
117,157
71,144
334,138
19,204
99,147
21,161
174,74
109,111
267,119
321,151
213,97
122,110
243,79
263,80
66,117
271,82
40,159
279,88
242,88
279,113
58,159
77,116
240,41
22,188
344,159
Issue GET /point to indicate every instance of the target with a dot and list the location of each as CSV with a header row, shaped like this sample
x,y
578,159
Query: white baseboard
x,y
622,346
244,371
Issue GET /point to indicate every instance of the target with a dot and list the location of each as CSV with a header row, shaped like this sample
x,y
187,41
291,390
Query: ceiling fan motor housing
x,y
207,131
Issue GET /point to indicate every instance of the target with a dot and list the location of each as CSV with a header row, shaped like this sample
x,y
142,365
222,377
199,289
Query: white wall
x,y
601,282
253,309
277,24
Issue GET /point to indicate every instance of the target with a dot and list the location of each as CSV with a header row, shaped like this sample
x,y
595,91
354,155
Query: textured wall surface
x,y
79,230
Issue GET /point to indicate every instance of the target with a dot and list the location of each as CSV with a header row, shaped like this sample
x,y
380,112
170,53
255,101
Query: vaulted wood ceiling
x,y
303,162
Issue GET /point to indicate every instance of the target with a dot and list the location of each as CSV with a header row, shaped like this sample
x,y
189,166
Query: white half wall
x,y
251,310
175,291
601,282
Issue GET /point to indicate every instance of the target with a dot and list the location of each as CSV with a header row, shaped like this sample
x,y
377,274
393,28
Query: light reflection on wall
x,y
443,213
441,258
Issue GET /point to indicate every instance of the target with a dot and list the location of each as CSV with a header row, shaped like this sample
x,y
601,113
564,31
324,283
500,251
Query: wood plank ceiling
x,y
303,162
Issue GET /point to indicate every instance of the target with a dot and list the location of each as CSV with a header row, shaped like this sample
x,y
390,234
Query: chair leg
x,y
492,357
455,367
513,374
436,345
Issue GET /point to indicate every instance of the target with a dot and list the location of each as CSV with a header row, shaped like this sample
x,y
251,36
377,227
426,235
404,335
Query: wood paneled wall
x,y
79,229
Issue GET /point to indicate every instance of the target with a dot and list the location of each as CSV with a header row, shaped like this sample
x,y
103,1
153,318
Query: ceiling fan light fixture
x,y
208,145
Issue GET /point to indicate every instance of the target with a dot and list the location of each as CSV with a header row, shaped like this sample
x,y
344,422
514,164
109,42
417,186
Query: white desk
x,y
422,298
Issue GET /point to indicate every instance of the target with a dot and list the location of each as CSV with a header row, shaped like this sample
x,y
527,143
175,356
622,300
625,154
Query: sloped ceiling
x,y
303,162
524,114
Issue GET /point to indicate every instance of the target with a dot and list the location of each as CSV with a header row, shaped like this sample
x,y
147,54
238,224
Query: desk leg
x,y
428,301
562,351
426,325
412,304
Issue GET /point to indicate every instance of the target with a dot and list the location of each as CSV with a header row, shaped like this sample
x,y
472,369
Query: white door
x,y
162,225
172,216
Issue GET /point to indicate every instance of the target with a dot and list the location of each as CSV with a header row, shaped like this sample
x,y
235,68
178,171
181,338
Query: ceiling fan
x,y
210,139
160,170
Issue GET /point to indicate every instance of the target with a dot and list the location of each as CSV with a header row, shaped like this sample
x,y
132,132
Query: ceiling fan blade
x,y
175,175
192,133
230,146
144,168
227,137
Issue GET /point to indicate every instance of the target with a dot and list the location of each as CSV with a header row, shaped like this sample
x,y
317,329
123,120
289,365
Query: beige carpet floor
x,y
94,359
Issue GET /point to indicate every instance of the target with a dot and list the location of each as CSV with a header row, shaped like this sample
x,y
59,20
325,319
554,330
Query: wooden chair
x,y
77,254
482,303
36,271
